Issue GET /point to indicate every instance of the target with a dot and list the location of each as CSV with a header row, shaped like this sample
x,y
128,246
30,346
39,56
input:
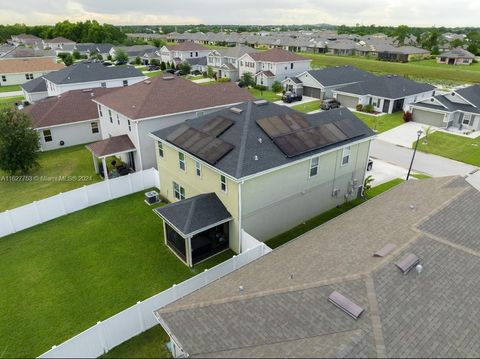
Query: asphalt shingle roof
x,y
457,52
338,75
35,85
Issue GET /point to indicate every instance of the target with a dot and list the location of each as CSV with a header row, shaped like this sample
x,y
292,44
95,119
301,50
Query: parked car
x,y
106,63
179,73
369,164
118,63
169,71
153,68
329,104
290,97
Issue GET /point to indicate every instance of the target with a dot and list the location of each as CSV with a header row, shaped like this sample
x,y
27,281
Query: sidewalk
x,y
11,94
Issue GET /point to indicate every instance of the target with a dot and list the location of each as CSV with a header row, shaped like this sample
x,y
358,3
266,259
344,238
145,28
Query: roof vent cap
x,y
236,110
260,102
147,82
255,158
260,140
419,268
240,288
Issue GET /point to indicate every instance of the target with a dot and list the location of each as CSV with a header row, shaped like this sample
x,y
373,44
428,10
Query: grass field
x,y
425,69
70,161
381,123
452,146
153,73
10,88
10,101
265,95
308,106
61,277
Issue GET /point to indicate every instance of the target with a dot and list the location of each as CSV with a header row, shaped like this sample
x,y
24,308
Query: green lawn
x,y
452,146
328,215
424,69
10,101
265,95
308,107
61,277
153,73
10,88
381,123
70,161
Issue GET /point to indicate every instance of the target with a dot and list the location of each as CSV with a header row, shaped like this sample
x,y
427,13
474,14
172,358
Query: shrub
x,y
260,88
368,108
204,74
276,87
407,116
241,84
138,60
359,107
223,79
156,62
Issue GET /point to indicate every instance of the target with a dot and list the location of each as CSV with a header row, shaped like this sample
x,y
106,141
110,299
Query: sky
x,y
448,13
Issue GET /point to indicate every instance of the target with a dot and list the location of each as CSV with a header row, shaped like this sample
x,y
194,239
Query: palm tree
x,y
427,131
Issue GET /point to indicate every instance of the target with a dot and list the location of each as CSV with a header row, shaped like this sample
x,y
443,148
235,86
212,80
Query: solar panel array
x,y
201,144
217,126
294,135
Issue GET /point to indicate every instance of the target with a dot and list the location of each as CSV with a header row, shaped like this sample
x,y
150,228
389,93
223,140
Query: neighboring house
x,y
156,103
198,64
57,43
290,302
272,65
270,166
19,71
23,52
86,74
458,110
224,62
387,94
25,39
67,120
35,90
132,51
457,56
87,49
321,83
404,54
5,49
182,52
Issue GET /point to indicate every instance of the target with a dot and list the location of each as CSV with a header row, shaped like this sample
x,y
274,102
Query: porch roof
x,y
111,146
195,214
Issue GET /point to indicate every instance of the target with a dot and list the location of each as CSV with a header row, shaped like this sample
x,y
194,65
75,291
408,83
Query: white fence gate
x,y
37,212
117,329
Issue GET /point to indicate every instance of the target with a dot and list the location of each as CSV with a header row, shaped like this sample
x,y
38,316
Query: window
x,y
94,126
467,119
313,167
125,83
100,110
110,115
47,136
4,78
345,156
196,54
181,161
129,126
160,149
223,183
118,120
178,191
29,76
198,168
191,54
378,102
291,65
103,84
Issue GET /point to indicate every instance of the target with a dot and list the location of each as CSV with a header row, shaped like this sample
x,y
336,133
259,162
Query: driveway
x,y
474,180
305,99
383,172
435,166
403,135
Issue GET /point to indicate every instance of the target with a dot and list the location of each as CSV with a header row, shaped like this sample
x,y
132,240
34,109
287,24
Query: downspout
x,y
240,217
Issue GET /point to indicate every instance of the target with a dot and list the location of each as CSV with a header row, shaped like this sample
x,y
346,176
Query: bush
x,y
368,108
260,87
276,87
204,74
223,79
196,72
163,65
241,84
76,55
359,107
138,60
407,116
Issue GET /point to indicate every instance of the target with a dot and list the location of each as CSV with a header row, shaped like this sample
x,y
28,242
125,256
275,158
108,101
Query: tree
x,y
158,43
121,55
19,143
66,58
367,185
138,60
99,57
185,67
427,130
210,72
109,57
247,79
76,55
401,33
456,43
473,48
276,87
163,65
155,62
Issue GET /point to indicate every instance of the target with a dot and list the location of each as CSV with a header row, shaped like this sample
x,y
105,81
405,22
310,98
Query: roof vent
x,y
260,140
236,110
147,82
385,250
255,158
260,102
407,263
240,288
92,94
87,90
168,77
345,305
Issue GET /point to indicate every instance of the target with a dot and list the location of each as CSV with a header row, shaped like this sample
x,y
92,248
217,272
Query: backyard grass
x,y
425,69
455,147
381,123
10,88
10,101
61,277
152,73
265,95
70,162
308,106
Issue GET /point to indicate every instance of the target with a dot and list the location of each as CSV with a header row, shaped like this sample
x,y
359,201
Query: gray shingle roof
x,y
35,85
91,71
195,213
471,93
338,75
197,61
450,106
389,86
245,133
237,51
457,52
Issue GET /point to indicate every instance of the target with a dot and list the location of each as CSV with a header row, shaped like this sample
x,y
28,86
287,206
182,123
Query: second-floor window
x,y
160,149
29,76
313,167
345,156
110,116
118,119
103,84
223,183
291,65
198,169
181,161
129,126
94,126
100,111
4,78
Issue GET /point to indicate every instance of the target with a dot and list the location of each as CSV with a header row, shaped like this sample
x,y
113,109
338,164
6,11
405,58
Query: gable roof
x,y
471,94
237,51
35,85
457,52
244,135
277,55
33,64
19,52
338,75
389,86
186,46
91,71
160,96
275,312
449,106
70,107
59,39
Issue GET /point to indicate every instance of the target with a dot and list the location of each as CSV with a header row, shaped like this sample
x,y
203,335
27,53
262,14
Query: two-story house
x,y
258,167
224,62
88,74
129,114
458,111
19,71
57,43
272,65
182,52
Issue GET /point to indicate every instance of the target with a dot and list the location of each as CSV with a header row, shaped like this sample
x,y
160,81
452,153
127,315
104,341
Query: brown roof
x,y
186,46
59,39
70,107
277,55
111,146
160,96
36,64
266,73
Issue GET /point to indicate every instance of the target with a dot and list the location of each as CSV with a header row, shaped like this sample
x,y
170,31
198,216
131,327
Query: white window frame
x,y
467,118
346,152
178,191
100,110
94,127
313,167
198,169
223,184
47,135
181,162
110,116
125,83
161,152
129,126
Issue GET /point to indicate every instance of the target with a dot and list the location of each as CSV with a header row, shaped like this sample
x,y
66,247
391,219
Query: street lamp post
x,y
419,133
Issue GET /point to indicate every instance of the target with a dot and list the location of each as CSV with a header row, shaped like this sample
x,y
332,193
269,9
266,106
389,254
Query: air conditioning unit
x,y
335,192
152,197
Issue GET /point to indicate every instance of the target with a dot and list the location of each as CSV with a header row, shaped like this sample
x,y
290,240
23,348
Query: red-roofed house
x,y
272,65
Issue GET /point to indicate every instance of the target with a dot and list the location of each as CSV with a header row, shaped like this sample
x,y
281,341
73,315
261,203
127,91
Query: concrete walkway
x,y
204,80
383,172
433,165
11,94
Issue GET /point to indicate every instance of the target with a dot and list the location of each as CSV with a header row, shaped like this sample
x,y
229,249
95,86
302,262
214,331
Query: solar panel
x,y
385,250
280,125
200,144
345,305
407,263
217,126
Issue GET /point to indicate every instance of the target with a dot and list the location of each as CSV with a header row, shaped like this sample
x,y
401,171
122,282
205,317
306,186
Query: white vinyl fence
x,y
37,212
117,329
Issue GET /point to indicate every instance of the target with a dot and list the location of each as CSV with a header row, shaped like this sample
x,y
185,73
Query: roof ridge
x,y
190,215
243,143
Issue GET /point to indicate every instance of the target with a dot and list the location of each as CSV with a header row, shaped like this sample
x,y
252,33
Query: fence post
x,y
234,262
140,316
205,276
85,190
63,203
109,190
9,216
101,337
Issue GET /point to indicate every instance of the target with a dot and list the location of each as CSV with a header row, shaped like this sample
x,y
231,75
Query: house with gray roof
x,y
261,160
224,62
387,94
91,74
458,110
413,281
457,56
35,90
132,52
